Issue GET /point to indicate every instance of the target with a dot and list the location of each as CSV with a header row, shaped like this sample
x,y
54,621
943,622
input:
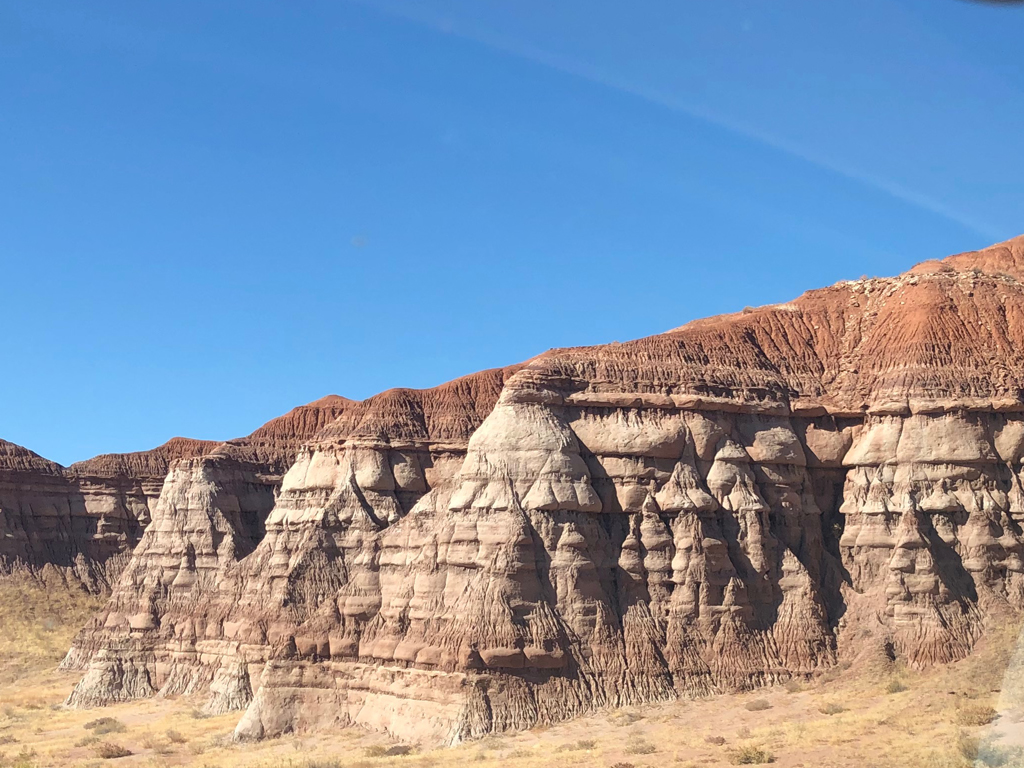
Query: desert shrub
x,y
577,745
87,741
622,765
105,725
976,715
174,737
793,686
831,708
743,733
638,745
829,676
622,717
398,750
110,751
196,748
751,755
895,686
967,746
375,750
758,705
716,740
24,759
198,714
983,752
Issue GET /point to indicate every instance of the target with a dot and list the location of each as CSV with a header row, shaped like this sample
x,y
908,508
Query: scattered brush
x,y
985,752
895,686
716,740
110,751
976,715
622,717
758,705
577,745
831,708
637,745
105,725
751,755
379,750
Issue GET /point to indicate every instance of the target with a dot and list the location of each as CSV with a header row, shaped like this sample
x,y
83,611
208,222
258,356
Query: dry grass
x,y
852,719
38,625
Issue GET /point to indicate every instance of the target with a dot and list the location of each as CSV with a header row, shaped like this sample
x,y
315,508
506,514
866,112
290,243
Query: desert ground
x,y
968,713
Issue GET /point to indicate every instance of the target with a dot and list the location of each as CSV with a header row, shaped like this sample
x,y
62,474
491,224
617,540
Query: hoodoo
x,y
733,503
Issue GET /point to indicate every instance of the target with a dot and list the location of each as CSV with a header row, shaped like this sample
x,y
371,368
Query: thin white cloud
x,y
672,102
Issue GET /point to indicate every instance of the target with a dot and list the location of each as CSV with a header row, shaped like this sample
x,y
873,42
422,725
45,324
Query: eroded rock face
x,y
739,501
79,524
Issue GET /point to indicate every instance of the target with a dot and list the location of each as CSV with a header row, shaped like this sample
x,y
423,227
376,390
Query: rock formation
x,y
733,503
79,524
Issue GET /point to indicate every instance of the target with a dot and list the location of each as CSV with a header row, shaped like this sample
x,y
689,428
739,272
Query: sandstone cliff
x,y
79,524
733,503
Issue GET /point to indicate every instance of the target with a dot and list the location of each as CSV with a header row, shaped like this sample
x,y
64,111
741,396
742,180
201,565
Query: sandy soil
x,y
882,715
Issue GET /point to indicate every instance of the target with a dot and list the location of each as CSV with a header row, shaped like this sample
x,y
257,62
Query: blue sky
x,y
212,212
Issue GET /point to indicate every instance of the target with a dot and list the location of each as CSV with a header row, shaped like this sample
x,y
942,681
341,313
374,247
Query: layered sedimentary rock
x,y
730,504
79,524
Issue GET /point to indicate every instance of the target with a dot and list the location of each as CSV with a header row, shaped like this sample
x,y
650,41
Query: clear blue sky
x,y
213,211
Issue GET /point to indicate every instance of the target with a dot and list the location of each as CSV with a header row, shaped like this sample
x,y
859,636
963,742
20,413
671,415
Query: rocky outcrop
x,y
78,525
733,503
